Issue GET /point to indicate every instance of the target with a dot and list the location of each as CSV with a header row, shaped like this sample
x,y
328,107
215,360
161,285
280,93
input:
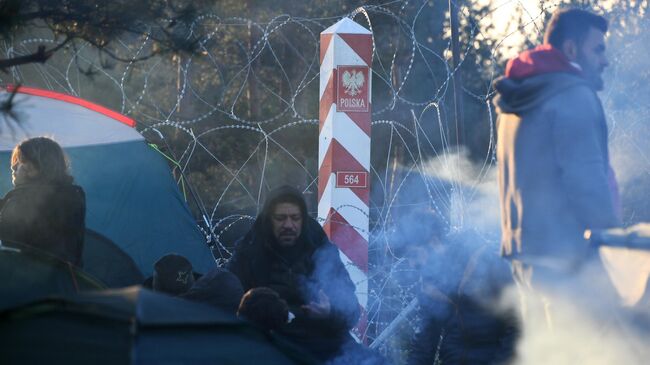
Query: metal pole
x,y
457,76
392,327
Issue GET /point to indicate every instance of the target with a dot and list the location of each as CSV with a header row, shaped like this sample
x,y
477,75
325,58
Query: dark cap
x,y
172,274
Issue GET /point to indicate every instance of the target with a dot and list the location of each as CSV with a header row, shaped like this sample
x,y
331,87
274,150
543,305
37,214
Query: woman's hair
x,y
46,156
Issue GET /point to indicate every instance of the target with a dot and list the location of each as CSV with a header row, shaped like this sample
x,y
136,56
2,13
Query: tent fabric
x,y
29,274
131,196
69,123
625,253
59,337
105,261
135,326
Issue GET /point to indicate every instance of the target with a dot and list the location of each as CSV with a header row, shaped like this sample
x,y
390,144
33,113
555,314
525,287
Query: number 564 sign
x,y
350,179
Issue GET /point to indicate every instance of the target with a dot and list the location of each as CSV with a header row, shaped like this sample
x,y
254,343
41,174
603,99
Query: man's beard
x,y
596,81
287,237
591,74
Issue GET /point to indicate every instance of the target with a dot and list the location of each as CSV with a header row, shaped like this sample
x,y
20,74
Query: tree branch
x,y
40,56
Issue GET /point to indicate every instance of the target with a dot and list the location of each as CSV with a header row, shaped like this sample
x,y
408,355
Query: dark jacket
x,y
553,161
298,273
459,321
218,288
47,216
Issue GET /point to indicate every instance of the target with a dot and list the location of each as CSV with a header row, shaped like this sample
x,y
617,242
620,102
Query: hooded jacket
x,y
218,288
298,273
460,288
553,159
47,216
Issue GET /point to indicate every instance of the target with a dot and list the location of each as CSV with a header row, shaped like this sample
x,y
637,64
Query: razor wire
x,y
239,118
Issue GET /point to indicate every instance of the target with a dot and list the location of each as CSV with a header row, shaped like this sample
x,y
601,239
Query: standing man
x,y
288,251
554,175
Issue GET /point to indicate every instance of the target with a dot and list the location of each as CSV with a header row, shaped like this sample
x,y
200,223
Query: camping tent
x,y
131,196
135,326
29,274
104,260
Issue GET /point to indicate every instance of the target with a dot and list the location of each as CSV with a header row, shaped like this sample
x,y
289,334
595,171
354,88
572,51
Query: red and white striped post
x,y
344,148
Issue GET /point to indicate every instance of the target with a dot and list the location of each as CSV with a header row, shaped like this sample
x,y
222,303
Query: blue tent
x,y
135,326
132,197
29,274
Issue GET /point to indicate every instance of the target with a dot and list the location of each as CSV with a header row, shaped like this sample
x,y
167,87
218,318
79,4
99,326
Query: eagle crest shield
x,y
353,81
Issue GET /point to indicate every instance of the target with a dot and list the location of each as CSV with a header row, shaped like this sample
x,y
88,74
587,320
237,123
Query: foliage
x,y
167,25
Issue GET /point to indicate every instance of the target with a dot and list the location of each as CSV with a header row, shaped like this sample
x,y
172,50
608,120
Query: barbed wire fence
x,y
241,116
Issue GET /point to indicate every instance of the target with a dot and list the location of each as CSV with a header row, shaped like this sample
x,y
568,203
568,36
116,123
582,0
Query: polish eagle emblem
x,y
353,81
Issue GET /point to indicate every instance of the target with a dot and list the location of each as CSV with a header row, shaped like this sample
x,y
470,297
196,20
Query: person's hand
x,y
320,309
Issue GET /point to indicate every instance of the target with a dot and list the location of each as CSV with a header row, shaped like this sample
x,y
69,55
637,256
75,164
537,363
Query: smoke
x,y
582,330
589,326
474,199
441,227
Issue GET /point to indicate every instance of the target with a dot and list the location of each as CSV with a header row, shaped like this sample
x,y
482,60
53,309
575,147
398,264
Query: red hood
x,y
540,60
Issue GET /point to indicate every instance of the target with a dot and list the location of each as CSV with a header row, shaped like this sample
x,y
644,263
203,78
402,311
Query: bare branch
x,y
40,56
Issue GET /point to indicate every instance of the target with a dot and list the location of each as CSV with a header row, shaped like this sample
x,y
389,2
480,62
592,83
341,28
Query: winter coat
x,y
459,321
468,333
553,161
298,276
298,273
218,288
46,216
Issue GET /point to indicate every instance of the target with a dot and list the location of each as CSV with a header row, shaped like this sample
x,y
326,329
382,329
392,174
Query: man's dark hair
x,y
264,307
285,194
572,24
262,227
